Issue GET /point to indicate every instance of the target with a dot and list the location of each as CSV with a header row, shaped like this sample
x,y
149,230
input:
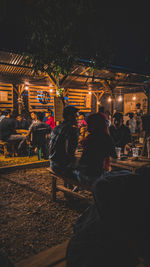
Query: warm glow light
x,y
51,90
90,93
134,98
109,99
98,103
26,87
120,98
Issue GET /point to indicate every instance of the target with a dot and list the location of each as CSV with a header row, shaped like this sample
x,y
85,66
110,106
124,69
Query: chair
x,y
39,140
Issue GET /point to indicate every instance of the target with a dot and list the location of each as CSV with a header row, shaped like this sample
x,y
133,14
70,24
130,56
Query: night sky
x,y
129,29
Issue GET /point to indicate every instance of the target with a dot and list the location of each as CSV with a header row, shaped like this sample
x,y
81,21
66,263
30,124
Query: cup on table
x,y
118,152
135,151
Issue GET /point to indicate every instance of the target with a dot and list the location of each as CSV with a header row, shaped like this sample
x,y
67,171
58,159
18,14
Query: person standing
x,y
50,119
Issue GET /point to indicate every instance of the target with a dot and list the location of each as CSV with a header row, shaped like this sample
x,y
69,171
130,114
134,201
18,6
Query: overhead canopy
x,y
13,68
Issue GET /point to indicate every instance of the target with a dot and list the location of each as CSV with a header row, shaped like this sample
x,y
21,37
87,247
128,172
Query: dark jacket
x,y
7,127
63,143
120,136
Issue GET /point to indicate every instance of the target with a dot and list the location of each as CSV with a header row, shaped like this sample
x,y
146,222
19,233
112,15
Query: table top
x,y
22,131
131,163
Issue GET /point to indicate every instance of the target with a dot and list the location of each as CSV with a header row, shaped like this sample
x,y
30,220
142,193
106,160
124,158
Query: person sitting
x,y
146,128
138,117
119,132
97,148
50,119
131,123
37,134
82,126
8,133
2,116
21,123
63,143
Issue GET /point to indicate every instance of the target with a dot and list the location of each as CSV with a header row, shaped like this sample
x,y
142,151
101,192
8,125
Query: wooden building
x,y
115,88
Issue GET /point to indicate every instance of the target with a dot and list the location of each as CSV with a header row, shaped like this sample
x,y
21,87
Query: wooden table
x,y
131,164
22,131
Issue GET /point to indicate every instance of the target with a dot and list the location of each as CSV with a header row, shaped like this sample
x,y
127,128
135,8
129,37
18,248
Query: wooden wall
x,y
6,96
37,94
77,98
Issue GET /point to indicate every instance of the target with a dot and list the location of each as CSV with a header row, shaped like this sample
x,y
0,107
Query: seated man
x,y
37,134
21,123
119,132
146,129
8,133
63,142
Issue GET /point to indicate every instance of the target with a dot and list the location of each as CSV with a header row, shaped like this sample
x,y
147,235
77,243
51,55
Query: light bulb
x,y
90,93
26,87
109,99
134,98
120,98
51,90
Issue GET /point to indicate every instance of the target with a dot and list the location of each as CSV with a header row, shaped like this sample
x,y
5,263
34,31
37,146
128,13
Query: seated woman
x,y
97,147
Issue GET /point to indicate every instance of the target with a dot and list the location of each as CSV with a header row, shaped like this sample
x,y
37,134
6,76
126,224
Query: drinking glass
x,y
118,152
135,151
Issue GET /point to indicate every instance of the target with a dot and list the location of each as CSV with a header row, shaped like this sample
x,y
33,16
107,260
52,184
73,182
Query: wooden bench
x,y
4,150
3,147
63,188
55,256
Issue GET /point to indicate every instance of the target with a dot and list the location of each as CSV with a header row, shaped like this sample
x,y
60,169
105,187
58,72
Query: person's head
x,y
48,113
19,118
7,113
131,115
118,119
97,123
138,105
33,116
39,116
70,113
101,109
81,117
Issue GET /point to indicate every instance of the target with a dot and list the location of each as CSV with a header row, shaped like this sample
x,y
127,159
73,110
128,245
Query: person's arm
x,y
72,143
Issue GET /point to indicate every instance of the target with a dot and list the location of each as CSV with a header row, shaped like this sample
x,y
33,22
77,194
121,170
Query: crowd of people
x,y
31,123
107,226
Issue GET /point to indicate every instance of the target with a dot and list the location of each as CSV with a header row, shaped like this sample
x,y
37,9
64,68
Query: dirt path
x,y
29,221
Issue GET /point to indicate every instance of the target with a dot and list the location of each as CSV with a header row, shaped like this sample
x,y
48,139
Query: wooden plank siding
x,y
36,94
77,98
6,104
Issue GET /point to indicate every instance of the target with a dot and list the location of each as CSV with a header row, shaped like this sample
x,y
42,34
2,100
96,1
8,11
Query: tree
x,y
63,32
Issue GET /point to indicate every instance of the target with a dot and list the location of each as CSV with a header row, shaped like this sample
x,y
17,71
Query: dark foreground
x,y
29,221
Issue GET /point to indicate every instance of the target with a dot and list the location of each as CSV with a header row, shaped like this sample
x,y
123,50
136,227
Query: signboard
x,y
88,101
58,109
3,96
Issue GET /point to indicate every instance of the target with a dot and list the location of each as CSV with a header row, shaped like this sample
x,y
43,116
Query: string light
x,y
51,90
26,87
109,99
134,98
90,93
120,98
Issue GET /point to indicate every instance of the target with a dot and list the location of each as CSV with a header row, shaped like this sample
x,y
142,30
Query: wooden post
x,y
148,95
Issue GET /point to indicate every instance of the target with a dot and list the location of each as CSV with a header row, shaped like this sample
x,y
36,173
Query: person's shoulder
x,y
111,127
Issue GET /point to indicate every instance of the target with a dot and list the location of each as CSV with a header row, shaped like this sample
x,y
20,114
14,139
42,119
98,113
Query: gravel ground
x,y
29,221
